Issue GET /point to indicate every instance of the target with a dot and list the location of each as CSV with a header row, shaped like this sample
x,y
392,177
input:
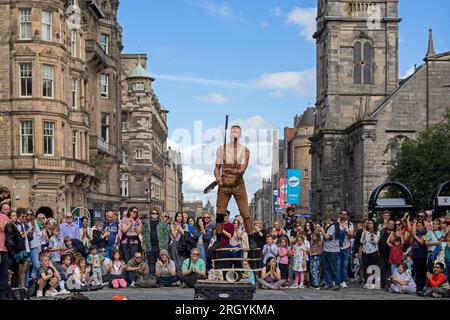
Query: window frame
x,y
104,84
75,144
44,81
47,24
27,78
364,64
139,154
47,136
104,45
28,135
74,94
25,21
105,125
74,43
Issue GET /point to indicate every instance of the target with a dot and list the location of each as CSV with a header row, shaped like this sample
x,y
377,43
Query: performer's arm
x,y
217,174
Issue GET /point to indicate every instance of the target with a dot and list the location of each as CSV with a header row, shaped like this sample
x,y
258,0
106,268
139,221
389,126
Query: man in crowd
x,y
331,252
290,219
155,237
386,218
347,232
137,271
4,259
111,228
385,251
69,228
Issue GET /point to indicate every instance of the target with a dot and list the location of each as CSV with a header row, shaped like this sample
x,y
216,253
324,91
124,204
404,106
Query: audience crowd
x,y
47,257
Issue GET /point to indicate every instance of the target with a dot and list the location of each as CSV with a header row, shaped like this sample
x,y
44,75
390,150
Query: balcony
x,y
96,53
105,147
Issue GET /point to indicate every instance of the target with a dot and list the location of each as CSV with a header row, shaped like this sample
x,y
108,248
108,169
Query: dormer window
x,y
139,86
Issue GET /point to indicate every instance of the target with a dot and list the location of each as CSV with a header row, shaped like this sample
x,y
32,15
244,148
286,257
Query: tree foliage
x,y
423,164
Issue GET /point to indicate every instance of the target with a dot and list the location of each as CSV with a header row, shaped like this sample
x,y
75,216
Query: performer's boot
x,y
252,243
217,244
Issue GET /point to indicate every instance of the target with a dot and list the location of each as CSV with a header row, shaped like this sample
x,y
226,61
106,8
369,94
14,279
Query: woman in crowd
x,y
419,251
85,232
14,245
177,231
165,270
369,241
22,258
130,229
271,276
260,234
190,225
193,269
199,236
235,240
47,233
402,281
35,243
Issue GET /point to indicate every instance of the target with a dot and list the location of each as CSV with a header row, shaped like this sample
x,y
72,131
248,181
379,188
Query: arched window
x,y
362,62
394,146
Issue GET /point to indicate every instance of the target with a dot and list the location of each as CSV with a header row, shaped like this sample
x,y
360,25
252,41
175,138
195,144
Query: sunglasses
x,y
134,211
69,217
421,216
155,213
207,218
195,254
398,224
102,251
138,257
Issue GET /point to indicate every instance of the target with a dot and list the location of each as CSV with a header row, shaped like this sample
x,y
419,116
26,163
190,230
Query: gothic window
x,y
362,61
394,146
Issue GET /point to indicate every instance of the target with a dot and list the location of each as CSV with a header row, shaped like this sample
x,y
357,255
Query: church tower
x,y
357,68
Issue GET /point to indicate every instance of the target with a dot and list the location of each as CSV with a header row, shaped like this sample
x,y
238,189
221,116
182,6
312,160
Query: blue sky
x,y
251,59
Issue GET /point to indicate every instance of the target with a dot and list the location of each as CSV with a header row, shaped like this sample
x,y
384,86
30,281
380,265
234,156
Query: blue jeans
x,y
34,255
343,265
315,263
393,268
331,268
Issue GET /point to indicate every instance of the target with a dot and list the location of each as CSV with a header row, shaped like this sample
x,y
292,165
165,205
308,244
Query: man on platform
x,y
231,164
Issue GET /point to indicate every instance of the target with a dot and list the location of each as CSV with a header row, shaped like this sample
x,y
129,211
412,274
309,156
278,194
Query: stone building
x,y
196,209
363,111
144,137
59,78
173,174
261,205
300,157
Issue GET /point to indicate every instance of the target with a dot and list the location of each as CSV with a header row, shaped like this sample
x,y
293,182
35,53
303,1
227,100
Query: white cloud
x,y
222,11
214,98
305,19
408,72
264,24
276,11
300,82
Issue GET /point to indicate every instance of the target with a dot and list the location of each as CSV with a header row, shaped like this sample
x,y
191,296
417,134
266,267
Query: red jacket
x,y
436,280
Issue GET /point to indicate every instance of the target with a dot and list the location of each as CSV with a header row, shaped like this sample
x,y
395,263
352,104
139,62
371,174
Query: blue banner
x,y
293,186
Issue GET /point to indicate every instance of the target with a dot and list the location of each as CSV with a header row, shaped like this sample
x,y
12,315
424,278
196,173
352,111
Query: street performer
x,y
231,163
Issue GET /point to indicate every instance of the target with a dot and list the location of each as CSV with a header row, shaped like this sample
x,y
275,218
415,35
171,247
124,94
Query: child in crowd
x,y
437,285
94,260
283,263
316,251
298,252
270,249
248,275
402,281
48,276
396,255
56,246
116,271
87,278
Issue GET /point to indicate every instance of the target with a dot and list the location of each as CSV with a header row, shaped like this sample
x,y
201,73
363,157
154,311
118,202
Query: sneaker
x,y
51,293
436,295
344,285
63,291
301,286
325,287
294,286
176,284
315,287
39,294
133,284
336,288
420,293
